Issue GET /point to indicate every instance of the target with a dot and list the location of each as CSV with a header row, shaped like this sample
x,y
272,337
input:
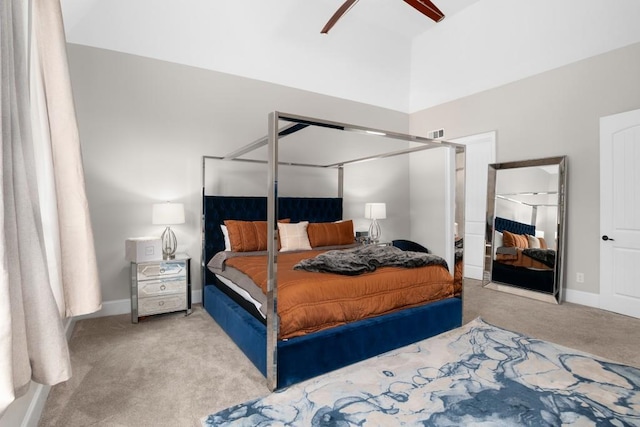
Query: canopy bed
x,y
525,217
286,316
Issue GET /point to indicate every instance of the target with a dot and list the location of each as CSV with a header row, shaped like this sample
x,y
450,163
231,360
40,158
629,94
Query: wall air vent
x,y
436,134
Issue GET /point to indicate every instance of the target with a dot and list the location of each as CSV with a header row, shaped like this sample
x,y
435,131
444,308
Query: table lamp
x,y
168,214
374,212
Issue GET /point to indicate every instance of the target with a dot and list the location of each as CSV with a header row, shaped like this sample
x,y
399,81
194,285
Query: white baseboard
x,y
473,272
109,308
27,410
123,306
68,325
196,296
34,411
583,298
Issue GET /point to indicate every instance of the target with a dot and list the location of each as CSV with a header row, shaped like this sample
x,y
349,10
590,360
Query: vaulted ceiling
x,y
382,52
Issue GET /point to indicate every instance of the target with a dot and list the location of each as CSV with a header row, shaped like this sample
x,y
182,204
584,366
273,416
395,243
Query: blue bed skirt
x,y
305,357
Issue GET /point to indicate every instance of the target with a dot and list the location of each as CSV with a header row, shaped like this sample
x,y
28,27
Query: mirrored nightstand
x,y
160,287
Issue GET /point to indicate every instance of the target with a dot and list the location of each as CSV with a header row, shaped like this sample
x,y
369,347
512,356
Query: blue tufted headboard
x,y
218,208
515,227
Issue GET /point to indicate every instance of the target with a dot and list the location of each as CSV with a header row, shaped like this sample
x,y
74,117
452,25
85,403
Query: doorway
x,y
480,153
620,213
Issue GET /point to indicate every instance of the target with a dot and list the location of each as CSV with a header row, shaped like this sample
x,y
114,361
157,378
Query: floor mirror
x,y
525,228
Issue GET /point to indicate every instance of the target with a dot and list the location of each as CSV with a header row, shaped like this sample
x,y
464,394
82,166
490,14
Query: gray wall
x,y
551,114
145,125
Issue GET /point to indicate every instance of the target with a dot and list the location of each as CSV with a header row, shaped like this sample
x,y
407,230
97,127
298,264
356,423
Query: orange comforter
x,y
309,302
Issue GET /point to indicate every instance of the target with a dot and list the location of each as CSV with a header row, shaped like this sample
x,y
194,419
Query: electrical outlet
x,y
580,277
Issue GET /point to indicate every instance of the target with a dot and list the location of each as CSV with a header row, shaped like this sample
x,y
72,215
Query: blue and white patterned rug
x,y
477,374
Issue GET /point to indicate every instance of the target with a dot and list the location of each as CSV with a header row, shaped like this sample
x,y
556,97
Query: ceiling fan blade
x,y
341,11
427,8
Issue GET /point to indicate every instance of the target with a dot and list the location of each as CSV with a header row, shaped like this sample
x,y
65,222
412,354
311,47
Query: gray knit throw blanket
x,y
366,258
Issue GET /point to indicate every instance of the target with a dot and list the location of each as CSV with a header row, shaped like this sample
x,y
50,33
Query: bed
x,y
519,262
286,358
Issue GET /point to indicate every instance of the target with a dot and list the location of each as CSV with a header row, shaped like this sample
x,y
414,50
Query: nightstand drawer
x,y
161,269
151,288
161,304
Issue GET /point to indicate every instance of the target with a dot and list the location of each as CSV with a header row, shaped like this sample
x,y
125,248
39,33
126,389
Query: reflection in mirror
x,y
525,227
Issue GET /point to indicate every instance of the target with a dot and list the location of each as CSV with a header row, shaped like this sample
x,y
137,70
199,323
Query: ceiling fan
x,y
423,6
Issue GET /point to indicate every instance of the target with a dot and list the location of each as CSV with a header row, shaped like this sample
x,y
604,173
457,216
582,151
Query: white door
x,y
480,153
620,213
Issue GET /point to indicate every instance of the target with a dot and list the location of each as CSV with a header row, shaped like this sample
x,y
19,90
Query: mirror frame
x,y
558,286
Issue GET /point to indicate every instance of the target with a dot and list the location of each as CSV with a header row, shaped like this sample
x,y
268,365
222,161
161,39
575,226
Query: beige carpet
x,y
173,370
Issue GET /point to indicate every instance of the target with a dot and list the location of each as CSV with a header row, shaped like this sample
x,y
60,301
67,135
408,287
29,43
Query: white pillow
x,y
225,233
498,239
534,242
293,237
497,242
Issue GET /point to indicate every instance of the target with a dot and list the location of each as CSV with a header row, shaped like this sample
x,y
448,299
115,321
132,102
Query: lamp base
x,y
374,231
169,244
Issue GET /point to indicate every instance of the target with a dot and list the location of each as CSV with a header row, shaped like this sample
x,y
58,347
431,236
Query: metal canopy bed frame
x,y
285,362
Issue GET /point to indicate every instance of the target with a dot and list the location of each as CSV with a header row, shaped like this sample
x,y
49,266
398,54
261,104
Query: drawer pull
x,y
162,270
161,303
163,287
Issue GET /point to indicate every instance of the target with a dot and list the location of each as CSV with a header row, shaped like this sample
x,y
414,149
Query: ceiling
x,y
382,52
394,16
278,41
276,17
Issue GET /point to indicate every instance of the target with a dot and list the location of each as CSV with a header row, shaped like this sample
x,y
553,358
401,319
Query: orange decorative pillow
x,y
543,243
330,233
248,236
511,240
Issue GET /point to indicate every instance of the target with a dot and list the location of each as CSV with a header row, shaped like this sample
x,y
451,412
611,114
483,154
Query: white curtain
x,y
48,268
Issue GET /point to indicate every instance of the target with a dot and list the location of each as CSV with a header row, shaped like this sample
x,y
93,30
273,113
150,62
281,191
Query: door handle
x,y
605,238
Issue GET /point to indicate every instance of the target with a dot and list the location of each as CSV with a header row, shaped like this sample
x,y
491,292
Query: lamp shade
x,y
167,213
375,210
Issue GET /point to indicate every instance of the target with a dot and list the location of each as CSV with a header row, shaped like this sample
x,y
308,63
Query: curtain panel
x,y
48,268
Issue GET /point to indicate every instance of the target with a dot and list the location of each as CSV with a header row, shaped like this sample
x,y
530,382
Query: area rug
x,y
477,374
